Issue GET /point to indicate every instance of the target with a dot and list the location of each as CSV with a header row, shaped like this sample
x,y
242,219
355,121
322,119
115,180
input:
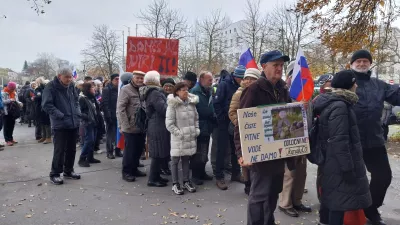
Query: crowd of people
x,y
177,121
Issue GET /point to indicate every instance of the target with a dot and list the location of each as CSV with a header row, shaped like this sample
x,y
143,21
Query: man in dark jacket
x,y
372,93
60,101
205,109
22,98
222,101
266,177
190,79
109,107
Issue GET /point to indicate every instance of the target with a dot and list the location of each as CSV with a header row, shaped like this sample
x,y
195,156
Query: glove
x,y
349,177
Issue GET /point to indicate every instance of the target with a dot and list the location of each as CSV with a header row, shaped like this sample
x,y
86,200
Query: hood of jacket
x,y
145,90
174,101
324,100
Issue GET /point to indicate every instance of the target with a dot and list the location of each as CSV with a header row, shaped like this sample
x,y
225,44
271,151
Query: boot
x,y
41,140
83,162
47,141
118,153
91,158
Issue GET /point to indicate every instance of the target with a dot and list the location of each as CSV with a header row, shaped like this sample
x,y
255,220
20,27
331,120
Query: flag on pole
x,y
247,59
302,87
74,73
120,141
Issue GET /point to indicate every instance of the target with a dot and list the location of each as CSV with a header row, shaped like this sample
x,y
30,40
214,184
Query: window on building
x,y
235,30
231,42
230,31
226,32
237,41
226,43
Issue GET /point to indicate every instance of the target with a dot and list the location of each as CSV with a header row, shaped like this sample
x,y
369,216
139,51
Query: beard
x,y
360,70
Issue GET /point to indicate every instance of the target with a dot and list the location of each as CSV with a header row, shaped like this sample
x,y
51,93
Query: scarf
x,y
346,94
10,93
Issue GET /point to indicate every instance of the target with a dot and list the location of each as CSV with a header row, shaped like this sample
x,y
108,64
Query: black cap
x,y
190,76
273,56
114,76
168,81
344,79
361,54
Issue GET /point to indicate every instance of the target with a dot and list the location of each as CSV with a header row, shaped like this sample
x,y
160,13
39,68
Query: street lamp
x,y
129,30
137,26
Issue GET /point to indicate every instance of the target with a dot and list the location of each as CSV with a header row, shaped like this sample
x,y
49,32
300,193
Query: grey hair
x,y
64,71
39,80
203,73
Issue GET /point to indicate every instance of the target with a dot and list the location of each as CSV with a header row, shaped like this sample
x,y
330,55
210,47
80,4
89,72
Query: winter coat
x,y
372,93
40,114
386,114
22,93
109,103
30,107
158,136
90,111
263,92
127,104
61,103
222,100
343,154
6,101
235,103
205,109
183,123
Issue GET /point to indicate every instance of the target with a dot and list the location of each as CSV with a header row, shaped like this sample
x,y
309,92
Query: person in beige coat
x,y
182,121
250,76
127,104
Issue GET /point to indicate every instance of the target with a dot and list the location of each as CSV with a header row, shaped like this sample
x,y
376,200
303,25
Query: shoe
x,y
197,181
205,176
176,188
156,184
9,143
98,151
290,212
30,125
237,178
38,138
92,160
1,149
83,162
128,177
189,186
139,173
163,180
305,190
118,154
47,141
247,186
110,156
56,180
2,146
166,172
14,142
222,185
302,208
96,148
72,176
41,140
141,165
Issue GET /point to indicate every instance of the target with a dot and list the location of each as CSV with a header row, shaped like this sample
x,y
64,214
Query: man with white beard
x,y
372,94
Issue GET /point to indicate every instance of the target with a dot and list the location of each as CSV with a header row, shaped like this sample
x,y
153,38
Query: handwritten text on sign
x,y
273,132
147,54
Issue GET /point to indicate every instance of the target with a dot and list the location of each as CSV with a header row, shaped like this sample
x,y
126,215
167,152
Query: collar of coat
x,y
349,96
175,101
265,84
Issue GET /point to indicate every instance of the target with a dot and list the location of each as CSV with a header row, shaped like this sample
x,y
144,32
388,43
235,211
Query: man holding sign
x,y
266,177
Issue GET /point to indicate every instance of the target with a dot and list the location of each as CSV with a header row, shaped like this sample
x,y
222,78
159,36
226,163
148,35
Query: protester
x,y
222,101
344,179
60,101
128,104
78,86
158,136
250,76
205,108
90,120
42,129
22,98
372,93
109,106
87,79
12,111
29,109
101,129
182,120
266,177
1,119
190,79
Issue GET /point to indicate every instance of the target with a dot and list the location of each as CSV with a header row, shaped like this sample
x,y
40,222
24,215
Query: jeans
x,y
38,130
223,139
377,163
134,145
9,125
46,131
64,151
111,136
90,133
185,168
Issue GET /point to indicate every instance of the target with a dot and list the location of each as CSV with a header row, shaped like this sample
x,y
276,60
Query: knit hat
x,y
324,78
239,71
126,78
252,72
344,79
152,78
190,76
168,81
114,76
361,54
290,68
11,85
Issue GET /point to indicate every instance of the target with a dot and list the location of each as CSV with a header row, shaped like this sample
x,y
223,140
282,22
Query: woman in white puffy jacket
x,y
182,121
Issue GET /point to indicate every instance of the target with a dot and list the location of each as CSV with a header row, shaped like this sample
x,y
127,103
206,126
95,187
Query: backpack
x,y
141,119
21,95
316,155
14,110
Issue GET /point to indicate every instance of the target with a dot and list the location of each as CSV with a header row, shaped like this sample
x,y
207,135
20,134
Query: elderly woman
x,y
12,111
158,136
42,118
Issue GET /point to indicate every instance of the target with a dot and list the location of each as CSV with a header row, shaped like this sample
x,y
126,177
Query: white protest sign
x,y
273,132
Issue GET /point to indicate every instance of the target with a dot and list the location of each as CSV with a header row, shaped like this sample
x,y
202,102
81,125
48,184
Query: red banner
x,y
147,54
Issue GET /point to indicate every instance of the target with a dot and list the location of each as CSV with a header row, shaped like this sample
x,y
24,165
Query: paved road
x,y
101,197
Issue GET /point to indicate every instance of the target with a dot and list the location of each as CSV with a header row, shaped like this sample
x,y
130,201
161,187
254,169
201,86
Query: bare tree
x,y
253,31
103,51
38,5
187,59
45,65
211,30
152,17
174,24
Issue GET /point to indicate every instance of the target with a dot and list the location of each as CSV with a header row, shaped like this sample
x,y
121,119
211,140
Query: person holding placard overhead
x,y
266,177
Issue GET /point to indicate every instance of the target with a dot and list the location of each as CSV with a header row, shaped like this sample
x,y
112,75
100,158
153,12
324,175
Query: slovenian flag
x,y
74,73
120,142
247,59
302,87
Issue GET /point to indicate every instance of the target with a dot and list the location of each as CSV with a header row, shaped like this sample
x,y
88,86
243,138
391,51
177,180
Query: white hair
x,y
40,80
64,71
46,81
152,77
97,82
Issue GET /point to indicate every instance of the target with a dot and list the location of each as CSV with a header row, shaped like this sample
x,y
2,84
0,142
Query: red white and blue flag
x,y
74,73
120,141
302,87
247,59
